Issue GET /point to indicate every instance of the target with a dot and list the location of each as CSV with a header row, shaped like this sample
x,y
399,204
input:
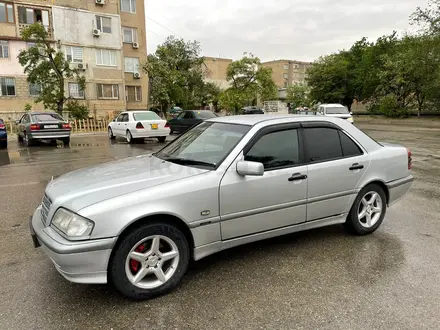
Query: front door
x,y
336,164
253,204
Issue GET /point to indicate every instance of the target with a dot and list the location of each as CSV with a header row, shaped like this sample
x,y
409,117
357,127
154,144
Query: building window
x,y
286,76
106,57
133,93
7,86
128,6
286,67
4,49
107,91
34,89
129,35
6,13
104,24
75,91
32,15
131,64
74,54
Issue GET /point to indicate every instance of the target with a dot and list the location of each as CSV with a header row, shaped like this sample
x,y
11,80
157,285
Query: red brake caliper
x,y
134,264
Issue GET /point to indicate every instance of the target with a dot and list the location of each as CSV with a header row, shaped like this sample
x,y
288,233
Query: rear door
x,y
335,165
117,129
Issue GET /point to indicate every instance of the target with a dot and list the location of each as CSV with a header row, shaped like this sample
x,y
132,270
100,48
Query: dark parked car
x,y
3,135
42,126
252,111
189,118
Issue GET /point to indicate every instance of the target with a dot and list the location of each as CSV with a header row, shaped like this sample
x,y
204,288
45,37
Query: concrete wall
x,y
215,71
75,26
10,66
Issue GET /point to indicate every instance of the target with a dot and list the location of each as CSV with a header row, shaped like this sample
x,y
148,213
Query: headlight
x,y
72,224
350,119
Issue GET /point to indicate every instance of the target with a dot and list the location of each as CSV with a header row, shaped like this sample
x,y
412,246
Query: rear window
x,y
145,116
47,117
206,114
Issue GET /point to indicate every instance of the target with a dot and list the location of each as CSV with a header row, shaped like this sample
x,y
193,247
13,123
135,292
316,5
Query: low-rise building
x,y
288,72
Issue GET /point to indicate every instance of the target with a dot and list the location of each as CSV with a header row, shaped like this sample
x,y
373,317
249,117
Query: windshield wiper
x,y
186,161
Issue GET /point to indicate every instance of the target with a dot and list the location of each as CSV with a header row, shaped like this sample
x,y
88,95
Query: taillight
x,y
34,127
139,126
2,126
409,158
167,125
66,126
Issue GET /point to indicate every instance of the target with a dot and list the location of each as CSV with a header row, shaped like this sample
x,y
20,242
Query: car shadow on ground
x,y
379,254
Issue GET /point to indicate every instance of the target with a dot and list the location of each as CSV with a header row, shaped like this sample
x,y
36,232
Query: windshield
x,y
47,117
205,145
147,115
336,111
206,114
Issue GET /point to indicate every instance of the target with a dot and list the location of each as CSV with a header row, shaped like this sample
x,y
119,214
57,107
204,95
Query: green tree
x,y
46,66
427,19
298,95
249,81
175,71
76,109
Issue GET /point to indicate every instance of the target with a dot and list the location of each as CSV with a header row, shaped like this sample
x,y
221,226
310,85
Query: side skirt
x,y
208,249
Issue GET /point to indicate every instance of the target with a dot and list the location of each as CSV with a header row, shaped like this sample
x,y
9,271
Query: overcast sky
x,y
275,29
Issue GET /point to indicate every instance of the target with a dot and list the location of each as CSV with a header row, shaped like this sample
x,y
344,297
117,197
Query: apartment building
x,y
106,39
215,70
287,72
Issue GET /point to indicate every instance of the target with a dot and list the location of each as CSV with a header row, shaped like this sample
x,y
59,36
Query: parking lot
x,y
320,279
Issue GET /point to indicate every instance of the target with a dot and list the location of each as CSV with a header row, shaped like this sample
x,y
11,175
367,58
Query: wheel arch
x,y
156,218
381,184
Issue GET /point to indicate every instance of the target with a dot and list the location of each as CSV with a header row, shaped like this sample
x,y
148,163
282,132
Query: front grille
x,y
45,207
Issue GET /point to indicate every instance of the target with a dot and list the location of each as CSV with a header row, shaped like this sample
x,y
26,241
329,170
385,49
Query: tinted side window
x,y
276,149
349,148
322,144
188,115
125,117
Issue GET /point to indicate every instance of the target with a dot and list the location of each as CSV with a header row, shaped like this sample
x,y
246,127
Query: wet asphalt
x,y
320,279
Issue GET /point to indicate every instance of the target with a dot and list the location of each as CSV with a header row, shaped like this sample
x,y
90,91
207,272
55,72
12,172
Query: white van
x,y
335,110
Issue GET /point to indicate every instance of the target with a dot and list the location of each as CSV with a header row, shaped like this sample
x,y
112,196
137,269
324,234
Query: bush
x,y
389,107
77,110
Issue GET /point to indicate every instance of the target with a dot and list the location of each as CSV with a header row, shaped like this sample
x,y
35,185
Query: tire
x,y
66,141
171,131
4,144
122,270
129,137
162,139
374,211
28,142
110,134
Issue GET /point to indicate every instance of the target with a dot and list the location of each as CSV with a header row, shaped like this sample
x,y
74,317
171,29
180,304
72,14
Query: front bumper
x,y
80,261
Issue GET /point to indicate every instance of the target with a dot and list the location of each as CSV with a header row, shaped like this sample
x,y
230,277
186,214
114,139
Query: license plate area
x,y
154,126
50,126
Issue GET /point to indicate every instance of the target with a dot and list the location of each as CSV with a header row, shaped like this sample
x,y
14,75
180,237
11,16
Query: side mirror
x,y
351,113
250,168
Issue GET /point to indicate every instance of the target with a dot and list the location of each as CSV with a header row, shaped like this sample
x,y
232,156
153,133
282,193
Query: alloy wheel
x,y
370,209
152,262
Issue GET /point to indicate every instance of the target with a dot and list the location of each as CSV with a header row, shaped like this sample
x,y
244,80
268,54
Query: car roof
x,y
332,105
252,120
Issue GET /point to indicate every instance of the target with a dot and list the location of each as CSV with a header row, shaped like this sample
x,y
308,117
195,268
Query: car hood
x,y
84,187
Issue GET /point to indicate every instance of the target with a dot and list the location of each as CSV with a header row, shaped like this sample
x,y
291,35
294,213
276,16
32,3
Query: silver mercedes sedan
x,y
228,181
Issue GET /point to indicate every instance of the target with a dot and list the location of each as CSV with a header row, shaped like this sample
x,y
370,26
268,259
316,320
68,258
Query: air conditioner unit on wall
x,y
96,32
136,75
100,2
135,45
78,66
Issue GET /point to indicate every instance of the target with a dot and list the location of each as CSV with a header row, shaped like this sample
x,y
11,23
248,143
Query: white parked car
x,y
335,110
138,125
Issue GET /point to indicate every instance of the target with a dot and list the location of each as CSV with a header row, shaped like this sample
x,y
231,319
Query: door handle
x,y
356,166
297,176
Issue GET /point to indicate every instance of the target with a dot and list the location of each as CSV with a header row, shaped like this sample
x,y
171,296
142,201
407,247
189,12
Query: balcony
x,y
22,26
